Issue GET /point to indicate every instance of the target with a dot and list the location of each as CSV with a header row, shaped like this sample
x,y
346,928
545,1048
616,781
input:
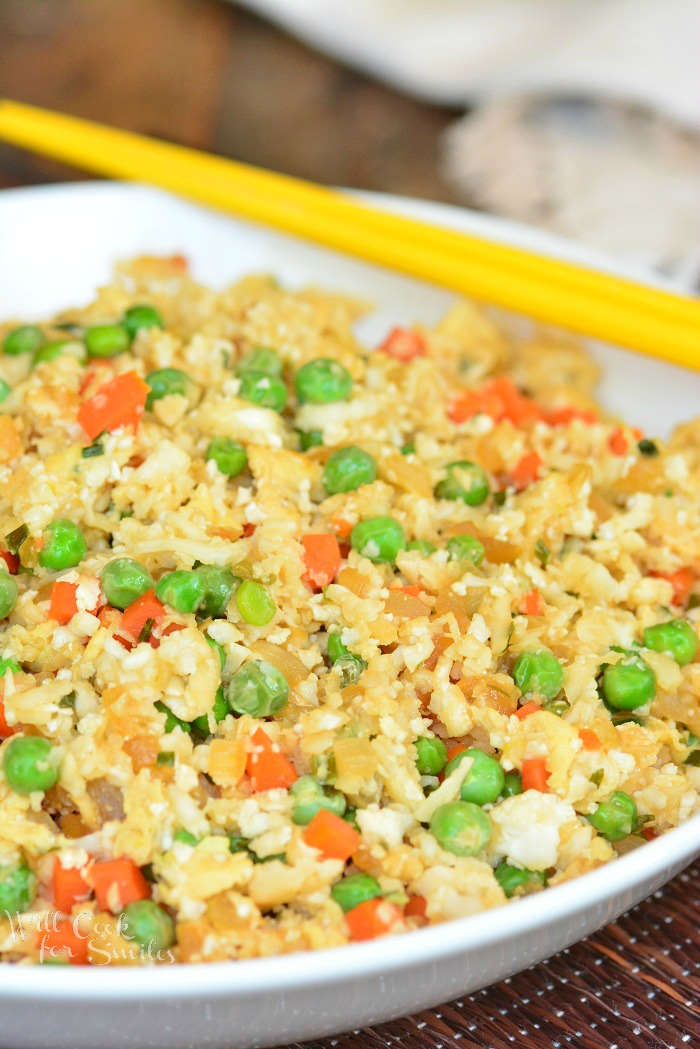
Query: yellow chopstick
x,y
656,322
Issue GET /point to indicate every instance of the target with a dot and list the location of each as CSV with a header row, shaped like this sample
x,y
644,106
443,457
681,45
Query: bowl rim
x,y
392,953
651,862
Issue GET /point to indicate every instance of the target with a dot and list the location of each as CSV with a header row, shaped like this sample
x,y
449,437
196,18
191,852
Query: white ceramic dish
x,y
56,244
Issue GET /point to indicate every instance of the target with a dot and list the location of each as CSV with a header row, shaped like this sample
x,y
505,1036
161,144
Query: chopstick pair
x,y
658,323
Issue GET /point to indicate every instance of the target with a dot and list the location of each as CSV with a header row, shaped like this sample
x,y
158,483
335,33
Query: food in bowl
x,y
306,643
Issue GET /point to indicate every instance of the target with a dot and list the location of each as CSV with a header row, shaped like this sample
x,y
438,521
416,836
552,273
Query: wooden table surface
x,y
205,74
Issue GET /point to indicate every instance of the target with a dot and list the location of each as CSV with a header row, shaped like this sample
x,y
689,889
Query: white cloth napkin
x,y
459,51
619,170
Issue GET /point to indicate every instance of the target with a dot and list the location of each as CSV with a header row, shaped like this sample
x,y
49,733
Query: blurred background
x,y
579,116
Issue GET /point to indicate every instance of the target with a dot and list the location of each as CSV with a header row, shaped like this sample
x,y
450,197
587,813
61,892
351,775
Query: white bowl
x,y
56,245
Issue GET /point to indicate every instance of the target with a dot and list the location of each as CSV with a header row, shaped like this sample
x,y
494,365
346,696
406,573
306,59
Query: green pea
x,y
512,878
5,391
629,683
465,482
148,924
310,439
615,818
9,666
354,890
465,548
171,721
512,784
124,580
485,779
169,382
378,538
217,648
254,603
350,668
141,317
461,827
265,390
64,545
262,360
347,469
229,455
558,706
310,797
8,593
647,447
185,837
336,648
408,449
431,755
17,889
182,590
51,350
422,546
676,637
537,670
322,381
106,340
258,688
200,726
218,582
29,765
28,338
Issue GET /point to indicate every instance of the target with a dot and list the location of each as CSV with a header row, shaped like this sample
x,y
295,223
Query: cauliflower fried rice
x,y
305,642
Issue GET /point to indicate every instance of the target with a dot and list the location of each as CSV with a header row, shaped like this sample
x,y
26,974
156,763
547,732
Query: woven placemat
x,y
634,983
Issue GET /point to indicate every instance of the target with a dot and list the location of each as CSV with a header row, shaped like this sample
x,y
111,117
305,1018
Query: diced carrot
x,y
617,442
248,530
534,774
11,560
454,749
341,527
563,416
465,404
500,398
682,582
403,344
517,407
527,708
119,402
63,602
413,589
321,558
649,833
266,766
589,739
140,611
5,730
117,883
526,470
532,604
373,918
157,636
334,837
69,886
111,618
416,907
63,940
